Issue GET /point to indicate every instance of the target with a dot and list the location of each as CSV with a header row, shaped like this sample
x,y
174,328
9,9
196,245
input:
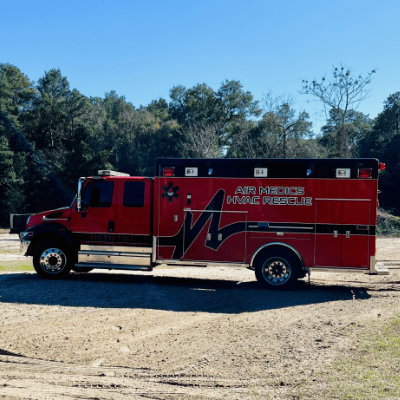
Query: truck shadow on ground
x,y
103,290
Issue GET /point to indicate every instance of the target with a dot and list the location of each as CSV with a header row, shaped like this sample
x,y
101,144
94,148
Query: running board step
x,y
114,266
114,256
380,269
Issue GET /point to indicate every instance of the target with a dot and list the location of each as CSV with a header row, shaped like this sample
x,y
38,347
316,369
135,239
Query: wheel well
x,y
46,237
276,246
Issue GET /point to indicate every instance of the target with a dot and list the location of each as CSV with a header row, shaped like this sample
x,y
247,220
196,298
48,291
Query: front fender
x,y
41,233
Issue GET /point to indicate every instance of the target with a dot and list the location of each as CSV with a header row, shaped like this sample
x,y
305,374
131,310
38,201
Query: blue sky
x,y
142,49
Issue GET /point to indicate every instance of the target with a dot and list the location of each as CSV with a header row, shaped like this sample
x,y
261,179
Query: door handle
x,y
347,234
110,226
335,234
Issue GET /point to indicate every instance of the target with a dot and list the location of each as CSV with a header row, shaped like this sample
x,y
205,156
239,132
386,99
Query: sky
x,y
141,49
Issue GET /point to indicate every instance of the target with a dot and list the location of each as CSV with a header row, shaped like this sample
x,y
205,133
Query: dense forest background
x,y
51,135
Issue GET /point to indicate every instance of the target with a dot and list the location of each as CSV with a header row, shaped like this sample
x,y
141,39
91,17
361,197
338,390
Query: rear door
x,y
133,214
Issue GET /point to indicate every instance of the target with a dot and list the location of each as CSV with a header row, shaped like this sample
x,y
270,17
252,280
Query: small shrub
x,y
388,224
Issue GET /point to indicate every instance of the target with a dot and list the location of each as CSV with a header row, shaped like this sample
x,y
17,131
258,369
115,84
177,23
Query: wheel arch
x,y
51,233
276,245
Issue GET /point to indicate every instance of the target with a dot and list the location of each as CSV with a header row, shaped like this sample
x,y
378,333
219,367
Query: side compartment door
x,y
168,217
342,233
355,238
328,242
98,209
230,237
198,238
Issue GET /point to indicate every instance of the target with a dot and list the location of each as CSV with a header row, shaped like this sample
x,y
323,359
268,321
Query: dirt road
x,y
196,333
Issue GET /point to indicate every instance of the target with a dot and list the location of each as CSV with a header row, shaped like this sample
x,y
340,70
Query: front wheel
x,y
277,269
52,260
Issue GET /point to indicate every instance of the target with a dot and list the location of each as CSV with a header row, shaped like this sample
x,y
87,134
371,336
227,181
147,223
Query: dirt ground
x,y
179,333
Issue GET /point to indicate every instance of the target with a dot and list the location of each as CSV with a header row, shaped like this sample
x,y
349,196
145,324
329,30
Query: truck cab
x,y
110,217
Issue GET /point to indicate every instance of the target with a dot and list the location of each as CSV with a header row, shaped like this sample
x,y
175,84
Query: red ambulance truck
x,y
282,218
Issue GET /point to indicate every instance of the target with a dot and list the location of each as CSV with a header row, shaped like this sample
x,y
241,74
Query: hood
x,y
62,213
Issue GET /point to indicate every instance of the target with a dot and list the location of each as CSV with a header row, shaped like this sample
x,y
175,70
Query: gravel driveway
x,y
179,333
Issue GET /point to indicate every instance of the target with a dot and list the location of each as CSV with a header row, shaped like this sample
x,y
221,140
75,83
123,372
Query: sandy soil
x,y
181,333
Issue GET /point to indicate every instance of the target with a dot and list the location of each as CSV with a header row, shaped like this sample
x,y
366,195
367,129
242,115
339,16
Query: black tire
x,y
81,269
52,260
277,269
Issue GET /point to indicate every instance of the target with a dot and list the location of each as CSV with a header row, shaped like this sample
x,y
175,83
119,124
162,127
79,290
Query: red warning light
x,y
365,173
169,171
382,166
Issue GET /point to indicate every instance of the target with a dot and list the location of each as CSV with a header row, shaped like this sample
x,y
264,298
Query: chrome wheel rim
x,y
53,260
276,271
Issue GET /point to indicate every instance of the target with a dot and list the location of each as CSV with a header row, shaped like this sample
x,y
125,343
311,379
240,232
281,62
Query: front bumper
x,y
25,242
24,246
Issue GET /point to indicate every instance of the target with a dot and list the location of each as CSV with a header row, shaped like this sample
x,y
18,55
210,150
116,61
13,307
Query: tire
x,y
277,269
81,269
52,260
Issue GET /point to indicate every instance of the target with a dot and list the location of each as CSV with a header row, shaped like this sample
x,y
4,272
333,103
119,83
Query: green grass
x,y
16,266
372,372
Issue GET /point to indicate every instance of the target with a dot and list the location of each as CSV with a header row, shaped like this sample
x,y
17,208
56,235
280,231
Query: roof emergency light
x,y
382,166
169,171
107,172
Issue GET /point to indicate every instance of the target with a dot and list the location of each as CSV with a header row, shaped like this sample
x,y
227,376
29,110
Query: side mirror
x,y
79,195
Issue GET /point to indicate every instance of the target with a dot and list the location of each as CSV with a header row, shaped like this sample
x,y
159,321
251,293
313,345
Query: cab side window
x,y
133,194
86,191
102,193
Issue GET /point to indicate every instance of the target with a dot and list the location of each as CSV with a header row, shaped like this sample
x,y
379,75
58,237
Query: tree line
x,y
50,134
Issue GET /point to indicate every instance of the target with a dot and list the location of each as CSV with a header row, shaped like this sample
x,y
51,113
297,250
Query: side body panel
x,y
229,219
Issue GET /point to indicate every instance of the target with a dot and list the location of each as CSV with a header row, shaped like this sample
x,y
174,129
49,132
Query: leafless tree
x,y
201,140
343,92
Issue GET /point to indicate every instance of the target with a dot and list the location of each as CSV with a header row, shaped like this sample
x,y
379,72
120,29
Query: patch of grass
x,y
13,266
373,370
8,251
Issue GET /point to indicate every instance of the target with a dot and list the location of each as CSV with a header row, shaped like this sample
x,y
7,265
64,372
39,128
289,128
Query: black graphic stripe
x,y
113,238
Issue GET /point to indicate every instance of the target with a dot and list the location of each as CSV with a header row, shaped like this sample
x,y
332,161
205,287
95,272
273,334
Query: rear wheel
x,y
52,260
277,269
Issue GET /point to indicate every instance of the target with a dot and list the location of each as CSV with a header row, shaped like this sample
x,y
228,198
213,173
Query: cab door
x,y
97,215
133,213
